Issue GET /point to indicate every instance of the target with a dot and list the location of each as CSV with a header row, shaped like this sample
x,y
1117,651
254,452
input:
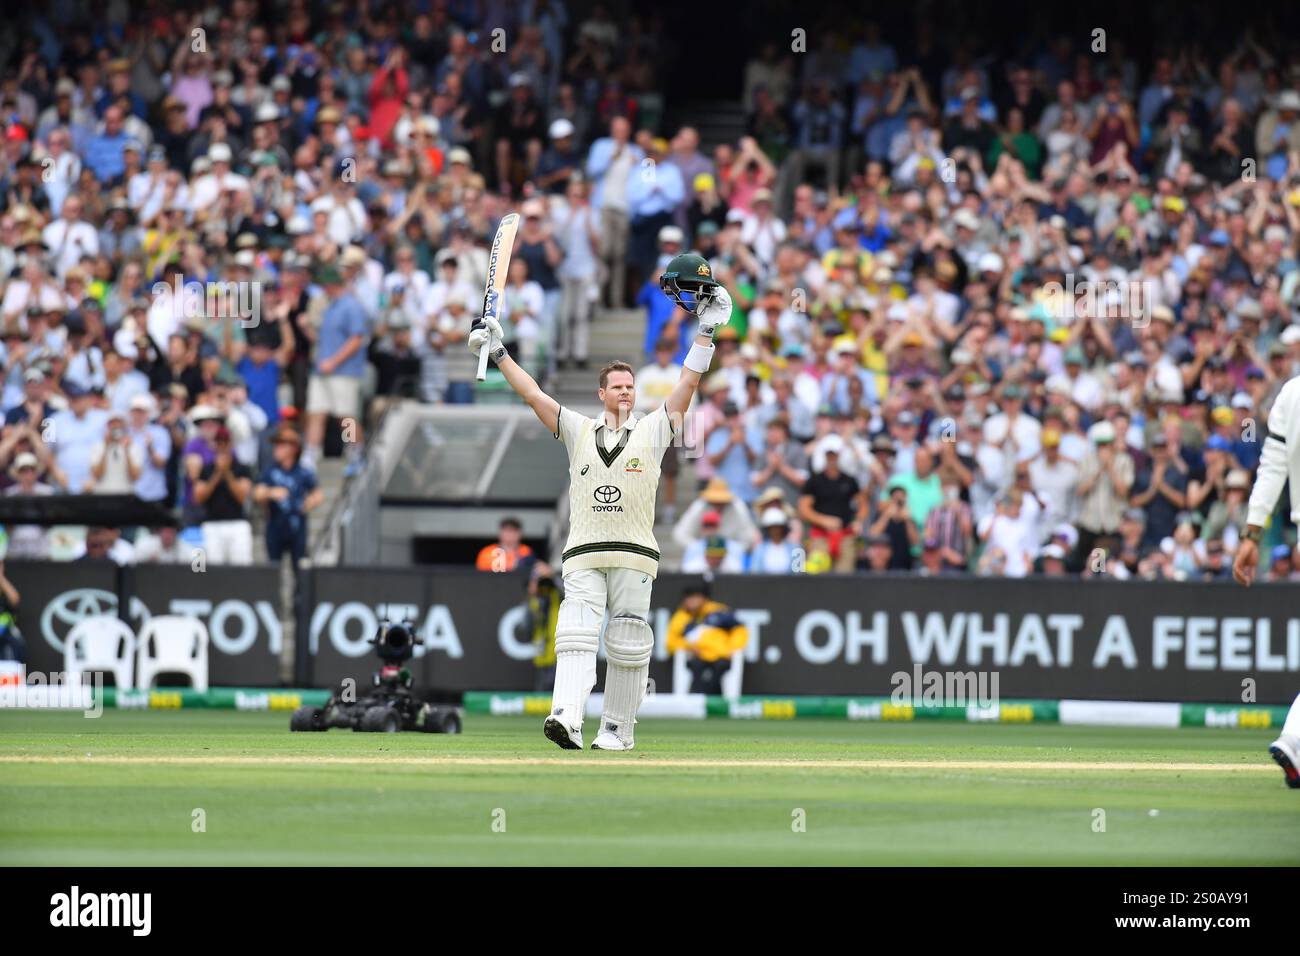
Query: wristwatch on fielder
x,y
1253,533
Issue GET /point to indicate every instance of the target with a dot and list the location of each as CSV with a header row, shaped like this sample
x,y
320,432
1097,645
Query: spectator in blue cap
x,y
1204,491
1282,564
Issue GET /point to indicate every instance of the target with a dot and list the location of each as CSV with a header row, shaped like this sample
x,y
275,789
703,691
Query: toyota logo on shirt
x,y
607,495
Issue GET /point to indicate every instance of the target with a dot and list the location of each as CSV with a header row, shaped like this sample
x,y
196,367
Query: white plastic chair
x,y
731,681
101,643
173,644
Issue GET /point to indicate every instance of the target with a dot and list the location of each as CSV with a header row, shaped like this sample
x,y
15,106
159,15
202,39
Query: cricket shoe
x,y
568,738
1286,751
610,739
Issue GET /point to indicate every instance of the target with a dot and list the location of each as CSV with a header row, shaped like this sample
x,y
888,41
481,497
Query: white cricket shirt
x,y
613,482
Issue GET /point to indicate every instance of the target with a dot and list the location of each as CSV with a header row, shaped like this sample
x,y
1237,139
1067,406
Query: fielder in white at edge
x,y
611,557
1278,462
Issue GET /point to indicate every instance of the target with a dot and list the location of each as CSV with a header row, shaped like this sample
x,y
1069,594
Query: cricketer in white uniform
x,y
611,557
1279,460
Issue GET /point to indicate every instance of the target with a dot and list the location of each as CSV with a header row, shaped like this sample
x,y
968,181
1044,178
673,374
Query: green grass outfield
x,y
122,789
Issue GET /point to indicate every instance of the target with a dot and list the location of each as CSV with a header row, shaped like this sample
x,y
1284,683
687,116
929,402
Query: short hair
x,y
615,367
697,587
510,523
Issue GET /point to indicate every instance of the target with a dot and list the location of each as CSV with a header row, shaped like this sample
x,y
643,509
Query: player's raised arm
x,y
689,282
488,335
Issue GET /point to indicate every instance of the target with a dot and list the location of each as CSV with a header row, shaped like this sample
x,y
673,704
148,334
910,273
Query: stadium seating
x,y
732,681
172,644
101,643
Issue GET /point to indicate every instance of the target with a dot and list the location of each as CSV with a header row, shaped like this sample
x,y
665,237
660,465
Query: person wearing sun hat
x,y
734,519
27,542
1225,516
779,550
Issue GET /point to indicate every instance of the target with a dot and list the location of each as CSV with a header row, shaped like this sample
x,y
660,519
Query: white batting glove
x,y
485,332
715,312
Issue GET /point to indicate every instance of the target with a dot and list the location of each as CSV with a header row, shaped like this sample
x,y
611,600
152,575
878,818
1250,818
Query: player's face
x,y
619,393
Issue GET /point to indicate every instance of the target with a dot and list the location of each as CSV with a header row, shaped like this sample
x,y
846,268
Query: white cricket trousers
x,y
228,542
588,594
616,590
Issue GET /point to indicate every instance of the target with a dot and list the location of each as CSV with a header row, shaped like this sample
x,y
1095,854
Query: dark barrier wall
x,y
240,606
809,635
56,596
828,635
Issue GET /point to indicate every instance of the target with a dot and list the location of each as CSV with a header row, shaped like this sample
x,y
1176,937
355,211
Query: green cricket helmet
x,y
688,281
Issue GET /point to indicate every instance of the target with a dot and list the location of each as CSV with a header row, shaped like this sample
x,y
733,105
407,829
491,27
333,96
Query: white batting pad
x,y
628,644
577,635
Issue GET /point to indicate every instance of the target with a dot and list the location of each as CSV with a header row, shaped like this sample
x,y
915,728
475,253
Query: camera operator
x,y
544,597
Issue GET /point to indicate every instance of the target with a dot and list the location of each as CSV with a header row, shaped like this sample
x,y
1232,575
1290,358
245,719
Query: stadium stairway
x,y
329,474
717,121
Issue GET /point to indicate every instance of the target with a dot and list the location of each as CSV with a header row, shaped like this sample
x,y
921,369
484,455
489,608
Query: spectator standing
x,y
579,238
154,445
221,491
335,385
950,527
731,454
28,542
290,493
610,166
1105,477
74,434
831,505
1161,491
894,522
1010,548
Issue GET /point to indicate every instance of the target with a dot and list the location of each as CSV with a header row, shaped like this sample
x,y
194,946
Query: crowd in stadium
x,y
1001,315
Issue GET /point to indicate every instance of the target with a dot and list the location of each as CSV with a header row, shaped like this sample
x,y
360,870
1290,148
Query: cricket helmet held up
x,y
688,281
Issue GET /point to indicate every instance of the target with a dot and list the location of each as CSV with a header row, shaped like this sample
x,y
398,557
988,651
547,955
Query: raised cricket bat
x,y
498,266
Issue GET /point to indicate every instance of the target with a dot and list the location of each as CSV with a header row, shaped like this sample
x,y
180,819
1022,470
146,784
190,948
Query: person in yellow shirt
x,y
709,633
847,253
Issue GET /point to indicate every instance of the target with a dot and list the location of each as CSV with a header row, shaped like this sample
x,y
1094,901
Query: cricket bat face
x,y
498,268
